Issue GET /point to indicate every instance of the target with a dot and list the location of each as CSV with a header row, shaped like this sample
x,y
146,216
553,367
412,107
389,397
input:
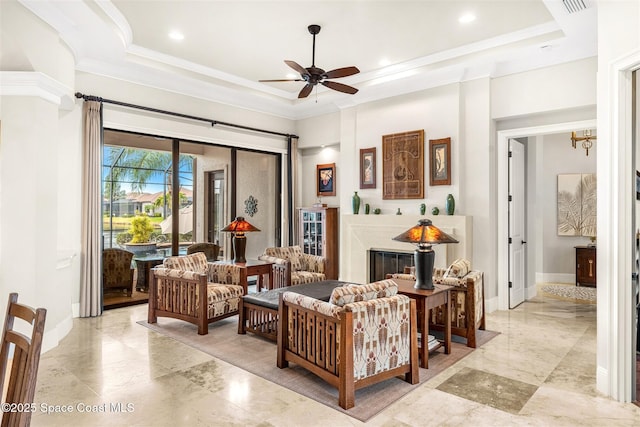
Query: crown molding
x,y
36,84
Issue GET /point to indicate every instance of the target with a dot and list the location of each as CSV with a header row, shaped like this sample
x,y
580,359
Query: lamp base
x,y
239,247
424,259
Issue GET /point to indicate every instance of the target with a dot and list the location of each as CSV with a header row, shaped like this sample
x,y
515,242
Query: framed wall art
x,y
326,179
368,167
403,165
577,204
440,161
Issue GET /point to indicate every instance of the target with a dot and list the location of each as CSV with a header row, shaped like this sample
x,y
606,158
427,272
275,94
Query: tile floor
x,y
110,371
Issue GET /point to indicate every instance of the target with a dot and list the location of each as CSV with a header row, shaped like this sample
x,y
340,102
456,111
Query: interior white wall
x,y
256,177
38,239
309,159
559,157
618,54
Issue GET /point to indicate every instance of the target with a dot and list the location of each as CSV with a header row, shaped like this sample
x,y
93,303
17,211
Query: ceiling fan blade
x,y
282,80
342,72
306,90
299,68
340,87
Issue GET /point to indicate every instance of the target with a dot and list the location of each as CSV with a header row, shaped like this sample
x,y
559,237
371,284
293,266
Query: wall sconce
x,y
238,228
423,236
586,140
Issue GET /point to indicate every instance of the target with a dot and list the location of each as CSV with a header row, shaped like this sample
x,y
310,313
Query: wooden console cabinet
x,y
586,266
319,236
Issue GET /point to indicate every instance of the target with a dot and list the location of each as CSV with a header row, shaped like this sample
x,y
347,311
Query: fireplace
x,y
383,262
361,234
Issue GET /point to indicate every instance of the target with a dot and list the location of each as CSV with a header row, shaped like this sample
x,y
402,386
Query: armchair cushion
x,y
354,293
458,268
290,253
193,262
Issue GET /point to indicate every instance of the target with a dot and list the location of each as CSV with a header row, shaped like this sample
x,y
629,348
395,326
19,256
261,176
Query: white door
x,y
517,241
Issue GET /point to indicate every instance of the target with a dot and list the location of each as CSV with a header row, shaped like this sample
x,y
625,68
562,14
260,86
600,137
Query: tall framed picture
x,y
326,179
440,161
403,165
368,167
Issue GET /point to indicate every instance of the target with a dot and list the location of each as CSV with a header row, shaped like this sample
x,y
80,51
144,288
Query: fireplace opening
x,y
383,262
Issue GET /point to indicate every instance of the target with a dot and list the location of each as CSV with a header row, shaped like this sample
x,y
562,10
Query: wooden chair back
x,y
18,374
211,250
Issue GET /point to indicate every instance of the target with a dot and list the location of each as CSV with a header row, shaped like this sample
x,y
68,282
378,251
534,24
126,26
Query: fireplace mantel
x,y
361,233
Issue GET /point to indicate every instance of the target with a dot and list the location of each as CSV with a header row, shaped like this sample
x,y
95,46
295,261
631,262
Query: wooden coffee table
x,y
253,267
426,300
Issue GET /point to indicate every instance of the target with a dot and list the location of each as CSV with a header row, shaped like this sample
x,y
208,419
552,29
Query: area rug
x,y
258,356
570,292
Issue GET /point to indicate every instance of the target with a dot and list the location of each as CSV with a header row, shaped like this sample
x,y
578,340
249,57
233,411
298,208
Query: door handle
x,y
524,242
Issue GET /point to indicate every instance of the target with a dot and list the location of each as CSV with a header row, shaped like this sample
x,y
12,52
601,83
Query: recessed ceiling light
x,y
466,18
384,62
176,35
292,76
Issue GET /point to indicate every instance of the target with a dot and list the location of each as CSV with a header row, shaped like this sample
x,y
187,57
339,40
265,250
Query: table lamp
x,y
238,228
424,235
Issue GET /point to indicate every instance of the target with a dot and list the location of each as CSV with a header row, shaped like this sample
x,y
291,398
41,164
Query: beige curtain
x,y
291,193
91,259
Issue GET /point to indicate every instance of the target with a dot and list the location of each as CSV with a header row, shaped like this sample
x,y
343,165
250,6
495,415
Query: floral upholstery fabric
x,y
381,330
193,262
353,293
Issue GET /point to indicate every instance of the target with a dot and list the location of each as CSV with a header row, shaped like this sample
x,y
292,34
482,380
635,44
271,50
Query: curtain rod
x,y
184,116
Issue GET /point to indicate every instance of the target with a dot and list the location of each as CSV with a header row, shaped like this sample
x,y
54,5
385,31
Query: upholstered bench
x,y
259,312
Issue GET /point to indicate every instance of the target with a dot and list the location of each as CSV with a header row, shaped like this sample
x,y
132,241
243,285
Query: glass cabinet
x,y
319,236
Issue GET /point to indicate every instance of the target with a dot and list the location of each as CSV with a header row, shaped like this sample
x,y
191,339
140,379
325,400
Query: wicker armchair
x,y
179,286
117,273
293,267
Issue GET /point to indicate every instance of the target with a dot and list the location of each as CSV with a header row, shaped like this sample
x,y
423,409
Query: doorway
x,y
504,136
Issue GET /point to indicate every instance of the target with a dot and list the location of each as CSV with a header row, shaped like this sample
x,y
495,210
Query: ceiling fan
x,y
314,75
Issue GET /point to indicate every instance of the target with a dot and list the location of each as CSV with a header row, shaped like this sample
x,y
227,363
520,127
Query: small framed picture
x,y
326,179
368,167
440,161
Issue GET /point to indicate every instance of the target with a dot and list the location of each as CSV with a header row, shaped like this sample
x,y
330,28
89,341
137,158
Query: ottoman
x,y
258,313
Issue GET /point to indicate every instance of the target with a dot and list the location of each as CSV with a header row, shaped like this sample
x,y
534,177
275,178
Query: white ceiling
x,y
229,45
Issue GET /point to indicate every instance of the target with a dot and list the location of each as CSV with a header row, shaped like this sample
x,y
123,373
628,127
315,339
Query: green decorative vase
x,y
423,209
376,211
450,205
355,203
366,208
435,210
398,213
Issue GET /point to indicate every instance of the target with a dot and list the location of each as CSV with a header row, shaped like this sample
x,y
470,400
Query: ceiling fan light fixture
x,y
313,75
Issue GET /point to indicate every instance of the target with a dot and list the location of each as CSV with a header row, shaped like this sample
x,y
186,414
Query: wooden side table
x,y
426,300
253,267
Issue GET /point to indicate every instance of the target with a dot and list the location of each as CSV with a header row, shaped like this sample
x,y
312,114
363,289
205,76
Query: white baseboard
x,y
75,309
52,337
555,278
530,292
490,304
